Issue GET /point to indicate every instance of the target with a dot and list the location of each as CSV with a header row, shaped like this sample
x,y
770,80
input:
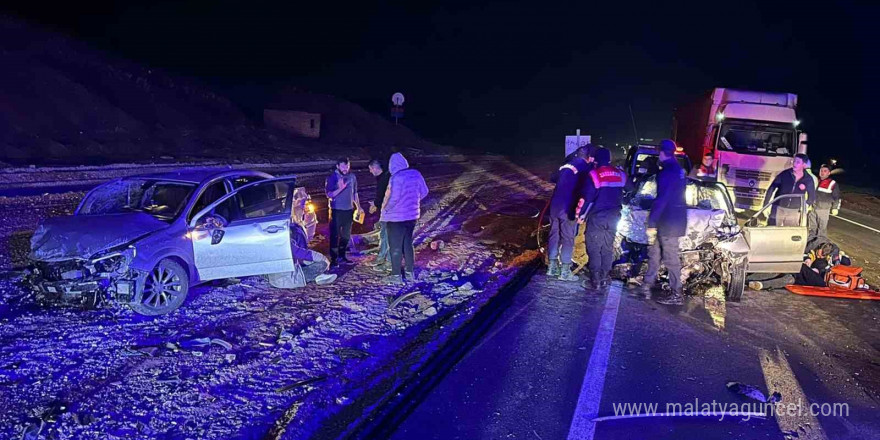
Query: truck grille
x,y
760,176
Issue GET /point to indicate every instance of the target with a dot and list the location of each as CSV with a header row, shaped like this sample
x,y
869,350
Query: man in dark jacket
x,y
602,201
561,213
827,199
382,263
795,180
341,190
667,223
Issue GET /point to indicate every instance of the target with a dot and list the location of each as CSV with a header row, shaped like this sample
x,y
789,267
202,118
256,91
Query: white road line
x,y
778,376
856,223
582,425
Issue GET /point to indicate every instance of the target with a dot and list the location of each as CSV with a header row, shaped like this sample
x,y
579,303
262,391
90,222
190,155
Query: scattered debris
x,y
401,299
351,353
300,383
222,343
753,392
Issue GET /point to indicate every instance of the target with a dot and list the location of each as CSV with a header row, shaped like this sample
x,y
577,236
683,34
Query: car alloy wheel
x,y
165,289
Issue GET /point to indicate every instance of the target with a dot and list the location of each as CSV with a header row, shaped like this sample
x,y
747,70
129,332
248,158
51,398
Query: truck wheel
x,y
165,289
737,282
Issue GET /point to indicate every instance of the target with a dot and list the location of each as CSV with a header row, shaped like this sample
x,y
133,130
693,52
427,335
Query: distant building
x,y
294,122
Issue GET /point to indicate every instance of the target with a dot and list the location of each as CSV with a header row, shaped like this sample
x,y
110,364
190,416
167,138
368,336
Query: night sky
x,y
514,76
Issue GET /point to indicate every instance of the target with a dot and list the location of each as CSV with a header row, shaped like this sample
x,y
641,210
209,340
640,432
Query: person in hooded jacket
x,y
400,211
667,223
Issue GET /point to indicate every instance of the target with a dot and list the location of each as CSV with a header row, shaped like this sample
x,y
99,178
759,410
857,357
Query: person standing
x,y
667,223
341,190
795,180
827,199
563,224
400,210
706,170
382,263
602,201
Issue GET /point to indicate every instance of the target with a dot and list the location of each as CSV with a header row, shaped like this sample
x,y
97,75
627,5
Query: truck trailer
x,y
752,136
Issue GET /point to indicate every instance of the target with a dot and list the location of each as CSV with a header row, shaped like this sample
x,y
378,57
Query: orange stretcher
x,y
834,292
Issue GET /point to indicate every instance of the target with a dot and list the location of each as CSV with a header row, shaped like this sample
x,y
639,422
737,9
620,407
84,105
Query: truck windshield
x,y
757,139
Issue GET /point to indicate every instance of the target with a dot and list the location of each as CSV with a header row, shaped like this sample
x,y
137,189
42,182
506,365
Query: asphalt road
x,y
561,356
859,242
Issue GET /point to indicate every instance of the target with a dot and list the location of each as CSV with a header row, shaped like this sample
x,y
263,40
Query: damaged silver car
x,y
716,249
146,240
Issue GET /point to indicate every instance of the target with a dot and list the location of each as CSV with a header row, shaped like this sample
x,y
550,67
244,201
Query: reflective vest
x,y
704,171
608,176
827,186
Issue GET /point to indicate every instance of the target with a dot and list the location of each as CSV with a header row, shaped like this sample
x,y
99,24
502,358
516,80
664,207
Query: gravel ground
x,y
241,359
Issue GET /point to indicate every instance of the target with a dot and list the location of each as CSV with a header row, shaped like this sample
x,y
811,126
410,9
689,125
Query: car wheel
x,y
165,289
737,282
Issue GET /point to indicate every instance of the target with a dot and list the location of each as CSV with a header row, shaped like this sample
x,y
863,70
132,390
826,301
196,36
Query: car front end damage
x,y
713,249
88,282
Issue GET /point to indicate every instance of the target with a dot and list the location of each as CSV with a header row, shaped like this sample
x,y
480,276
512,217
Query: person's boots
x,y
591,284
675,298
553,269
382,268
410,276
393,280
566,275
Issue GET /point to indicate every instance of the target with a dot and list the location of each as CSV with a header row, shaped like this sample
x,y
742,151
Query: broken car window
x,y
161,199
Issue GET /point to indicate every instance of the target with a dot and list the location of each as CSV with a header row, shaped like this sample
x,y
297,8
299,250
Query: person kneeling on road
x,y
667,223
308,266
603,199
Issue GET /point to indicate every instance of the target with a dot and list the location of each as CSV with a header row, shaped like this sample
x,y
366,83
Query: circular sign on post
x,y
397,98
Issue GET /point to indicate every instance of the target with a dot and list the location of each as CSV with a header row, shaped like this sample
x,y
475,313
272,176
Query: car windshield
x,y
646,163
697,196
756,139
161,199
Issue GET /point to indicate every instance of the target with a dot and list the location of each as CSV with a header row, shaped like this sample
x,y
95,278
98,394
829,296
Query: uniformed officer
x,y
563,224
667,222
827,199
603,197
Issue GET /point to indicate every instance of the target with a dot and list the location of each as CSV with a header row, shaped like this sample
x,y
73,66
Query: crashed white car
x,y
146,240
717,249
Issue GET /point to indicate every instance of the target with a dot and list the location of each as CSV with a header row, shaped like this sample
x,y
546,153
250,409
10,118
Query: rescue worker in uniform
x,y
563,223
667,222
827,199
706,170
603,198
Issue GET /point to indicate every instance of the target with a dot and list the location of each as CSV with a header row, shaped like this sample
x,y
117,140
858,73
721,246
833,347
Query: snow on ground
x,y
241,359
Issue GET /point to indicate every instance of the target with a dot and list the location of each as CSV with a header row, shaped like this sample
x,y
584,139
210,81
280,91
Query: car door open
x,y
246,232
776,249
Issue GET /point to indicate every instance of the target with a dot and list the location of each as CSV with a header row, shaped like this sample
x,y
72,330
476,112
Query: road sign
x,y
397,99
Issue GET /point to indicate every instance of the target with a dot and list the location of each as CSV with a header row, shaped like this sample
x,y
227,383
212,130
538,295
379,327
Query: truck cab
x,y
752,136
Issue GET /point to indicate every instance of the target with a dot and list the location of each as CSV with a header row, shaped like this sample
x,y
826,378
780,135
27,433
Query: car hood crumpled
x,y
83,236
701,225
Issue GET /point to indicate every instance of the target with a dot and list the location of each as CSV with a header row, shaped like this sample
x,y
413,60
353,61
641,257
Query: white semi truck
x,y
752,135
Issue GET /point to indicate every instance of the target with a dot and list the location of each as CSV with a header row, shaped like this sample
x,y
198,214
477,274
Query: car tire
x,y
737,282
165,289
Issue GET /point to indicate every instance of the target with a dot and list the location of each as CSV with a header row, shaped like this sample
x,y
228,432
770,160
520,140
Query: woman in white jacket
x,y
400,210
